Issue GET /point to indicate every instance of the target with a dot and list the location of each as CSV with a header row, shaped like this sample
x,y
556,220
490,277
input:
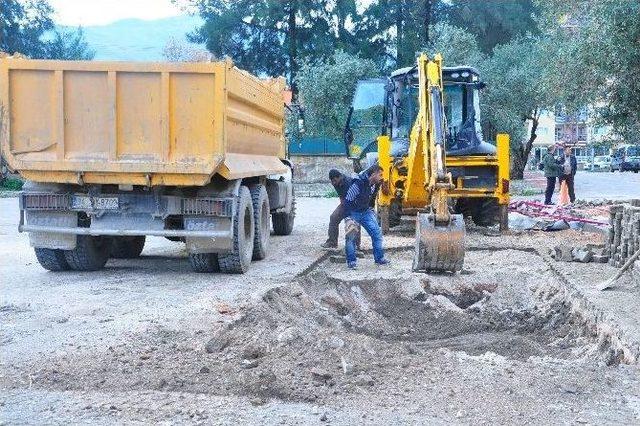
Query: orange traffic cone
x,y
563,198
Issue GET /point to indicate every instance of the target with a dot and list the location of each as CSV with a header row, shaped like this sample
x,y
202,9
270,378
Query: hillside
x,y
136,39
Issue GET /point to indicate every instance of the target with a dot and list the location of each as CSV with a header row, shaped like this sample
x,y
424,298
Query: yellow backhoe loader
x,y
422,126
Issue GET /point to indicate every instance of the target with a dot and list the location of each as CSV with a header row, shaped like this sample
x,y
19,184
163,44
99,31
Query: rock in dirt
x,y
582,255
320,374
217,344
364,380
254,351
442,302
563,254
249,363
335,342
412,288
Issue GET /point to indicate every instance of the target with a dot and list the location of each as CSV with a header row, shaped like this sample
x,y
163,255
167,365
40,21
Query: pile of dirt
x,y
334,332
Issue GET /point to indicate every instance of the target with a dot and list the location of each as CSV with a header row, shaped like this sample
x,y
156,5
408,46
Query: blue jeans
x,y
369,222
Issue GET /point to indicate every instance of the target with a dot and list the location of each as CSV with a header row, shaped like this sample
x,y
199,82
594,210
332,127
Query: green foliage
x,y
68,45
26,27
331,193
457,46
22,25
598,58
12,184
494,22
274,37
326,90
517,91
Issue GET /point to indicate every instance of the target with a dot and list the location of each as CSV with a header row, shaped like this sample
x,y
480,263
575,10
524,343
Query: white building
x,y
578,131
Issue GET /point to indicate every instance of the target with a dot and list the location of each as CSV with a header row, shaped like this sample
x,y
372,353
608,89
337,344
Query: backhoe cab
x,y
422,125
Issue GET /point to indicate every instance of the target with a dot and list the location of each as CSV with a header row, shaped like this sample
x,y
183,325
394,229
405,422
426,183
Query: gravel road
x,y
148,341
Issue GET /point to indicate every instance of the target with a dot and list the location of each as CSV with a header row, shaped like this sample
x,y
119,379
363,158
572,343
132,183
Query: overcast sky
x,y
101,12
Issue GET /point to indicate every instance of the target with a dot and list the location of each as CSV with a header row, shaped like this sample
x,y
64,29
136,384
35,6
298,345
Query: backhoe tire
x,y
261,213
52,260
486,212
204,262
127,247
283,222
91,253
238,261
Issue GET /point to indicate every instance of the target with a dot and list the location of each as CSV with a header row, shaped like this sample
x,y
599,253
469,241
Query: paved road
x,y
591,186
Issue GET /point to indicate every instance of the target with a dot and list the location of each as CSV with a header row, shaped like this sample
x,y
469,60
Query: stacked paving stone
x,y
624,233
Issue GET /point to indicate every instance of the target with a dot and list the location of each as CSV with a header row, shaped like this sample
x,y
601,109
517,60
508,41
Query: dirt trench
x,y
334,334
335,331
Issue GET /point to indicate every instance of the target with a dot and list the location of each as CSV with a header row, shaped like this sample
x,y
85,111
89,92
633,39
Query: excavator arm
x,y
439,233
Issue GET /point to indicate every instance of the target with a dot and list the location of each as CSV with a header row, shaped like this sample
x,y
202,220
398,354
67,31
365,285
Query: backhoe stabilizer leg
x,y
439,247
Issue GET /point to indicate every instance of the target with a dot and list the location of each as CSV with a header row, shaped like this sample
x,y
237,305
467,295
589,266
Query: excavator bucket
x,y
439,247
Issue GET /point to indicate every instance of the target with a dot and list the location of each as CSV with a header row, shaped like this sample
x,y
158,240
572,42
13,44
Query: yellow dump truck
x,y
115,151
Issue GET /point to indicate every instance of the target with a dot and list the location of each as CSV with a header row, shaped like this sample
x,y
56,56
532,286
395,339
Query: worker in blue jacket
x,y
359,212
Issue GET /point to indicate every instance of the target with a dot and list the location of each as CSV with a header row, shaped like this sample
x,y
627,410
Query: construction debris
x,y
624,233
589,253
551,212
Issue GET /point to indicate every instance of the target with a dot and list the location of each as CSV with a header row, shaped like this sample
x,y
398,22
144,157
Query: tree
x,y
22,26
517,92
457,46
264,36
494,22
326,91
26,27
399,29
599,59
68,45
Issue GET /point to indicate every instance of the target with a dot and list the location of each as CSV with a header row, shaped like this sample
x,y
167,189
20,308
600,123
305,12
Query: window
x,y
559,133
582,133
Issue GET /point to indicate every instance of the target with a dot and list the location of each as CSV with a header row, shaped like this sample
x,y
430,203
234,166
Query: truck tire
x,y
237,262
91,253
127,247
261,212
52,260
204,262
283,222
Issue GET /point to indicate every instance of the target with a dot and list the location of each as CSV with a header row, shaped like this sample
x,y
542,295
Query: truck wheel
x,y
261,212
237,262
52,260
127,247
204,262
283,222
90,254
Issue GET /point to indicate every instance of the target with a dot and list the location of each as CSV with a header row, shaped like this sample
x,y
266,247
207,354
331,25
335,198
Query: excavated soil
x,y
334,332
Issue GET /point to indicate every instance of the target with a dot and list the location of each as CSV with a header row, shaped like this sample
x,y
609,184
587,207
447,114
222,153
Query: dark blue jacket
x,y
358,195
574,164
343,187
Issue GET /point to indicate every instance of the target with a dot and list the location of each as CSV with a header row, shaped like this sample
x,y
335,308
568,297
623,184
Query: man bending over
x,y
357,204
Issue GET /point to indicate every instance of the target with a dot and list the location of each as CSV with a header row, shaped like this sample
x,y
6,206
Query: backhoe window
x,y
407,111
454,107
367,115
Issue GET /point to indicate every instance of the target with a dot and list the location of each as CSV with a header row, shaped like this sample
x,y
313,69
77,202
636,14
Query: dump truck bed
x,y
135,123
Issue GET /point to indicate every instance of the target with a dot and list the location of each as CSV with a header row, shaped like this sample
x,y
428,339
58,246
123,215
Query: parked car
x,y
599,163
626,158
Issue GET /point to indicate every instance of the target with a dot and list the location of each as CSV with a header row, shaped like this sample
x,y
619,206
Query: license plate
x,y
95,203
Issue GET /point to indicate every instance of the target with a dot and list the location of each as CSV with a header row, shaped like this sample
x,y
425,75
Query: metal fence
x,y
316,146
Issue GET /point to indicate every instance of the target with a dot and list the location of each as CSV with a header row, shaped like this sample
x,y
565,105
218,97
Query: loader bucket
x,y
439,247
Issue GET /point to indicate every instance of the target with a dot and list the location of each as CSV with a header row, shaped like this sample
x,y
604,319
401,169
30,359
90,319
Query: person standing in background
x,y
551,171
569,164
